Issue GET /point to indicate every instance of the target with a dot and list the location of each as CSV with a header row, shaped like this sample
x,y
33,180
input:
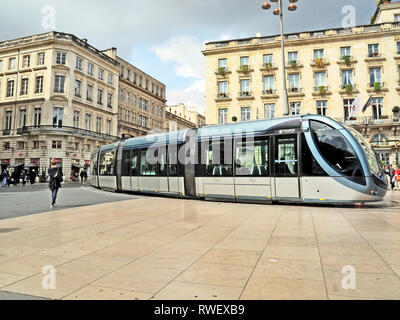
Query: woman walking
x,y
55,179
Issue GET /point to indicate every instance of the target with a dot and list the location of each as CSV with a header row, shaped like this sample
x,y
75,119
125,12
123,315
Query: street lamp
x,y
279,11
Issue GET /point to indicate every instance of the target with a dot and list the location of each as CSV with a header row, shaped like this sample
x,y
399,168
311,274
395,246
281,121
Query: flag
x,y
356,106
367,104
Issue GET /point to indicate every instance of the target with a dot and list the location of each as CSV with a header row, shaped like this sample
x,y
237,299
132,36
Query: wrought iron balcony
x,y
6,132
56,129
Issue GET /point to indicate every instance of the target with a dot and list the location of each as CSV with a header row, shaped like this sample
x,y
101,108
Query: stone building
x,y
188,113
58,99
141,100
174,122
326,71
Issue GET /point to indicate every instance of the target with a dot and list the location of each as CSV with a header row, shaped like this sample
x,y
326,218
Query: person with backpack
x,y
55,179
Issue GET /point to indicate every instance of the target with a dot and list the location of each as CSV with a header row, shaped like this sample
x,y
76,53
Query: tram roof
x,y
256,127
174,137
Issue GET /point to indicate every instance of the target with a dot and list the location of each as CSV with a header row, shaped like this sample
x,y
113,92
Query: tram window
x,y
286,156
172,160
134,161
337,151
146,168
107,163
175,168
310,166
162,162
126,159
219,159
252,158
94,167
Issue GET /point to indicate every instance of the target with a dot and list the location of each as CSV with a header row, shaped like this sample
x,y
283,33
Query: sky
x,y
164,38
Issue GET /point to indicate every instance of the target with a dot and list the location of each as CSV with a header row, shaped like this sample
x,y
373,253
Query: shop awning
x,y
15,165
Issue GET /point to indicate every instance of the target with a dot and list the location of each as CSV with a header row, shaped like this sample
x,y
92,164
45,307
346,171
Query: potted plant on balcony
x,y
268,65
234,119
319,62
244,68
377,86
352,118
321,89
245,93
384,116
221,70
347,60
222,95
294,89
348,87
293,63
268,91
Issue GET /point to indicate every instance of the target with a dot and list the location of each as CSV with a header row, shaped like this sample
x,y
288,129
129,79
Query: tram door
x,y
286,167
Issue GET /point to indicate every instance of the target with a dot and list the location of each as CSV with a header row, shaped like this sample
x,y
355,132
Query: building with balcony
x,y
188,113
141,100
58,99
326,71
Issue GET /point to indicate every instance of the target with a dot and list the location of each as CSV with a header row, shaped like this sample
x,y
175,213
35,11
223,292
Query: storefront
x,y
5,163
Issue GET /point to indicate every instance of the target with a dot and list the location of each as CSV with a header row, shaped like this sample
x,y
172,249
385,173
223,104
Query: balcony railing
x,y
361,121
6,132
244,94
269,91
294,90
222,96
245,68
321,89
48,129
374,55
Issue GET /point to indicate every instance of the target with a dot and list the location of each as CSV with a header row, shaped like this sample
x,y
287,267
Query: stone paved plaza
x,y
162,248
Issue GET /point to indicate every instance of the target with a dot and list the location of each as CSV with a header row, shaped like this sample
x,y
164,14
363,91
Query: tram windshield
x,y
373,162
337,151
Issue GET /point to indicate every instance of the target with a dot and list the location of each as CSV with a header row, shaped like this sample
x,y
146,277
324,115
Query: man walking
x,y
55,179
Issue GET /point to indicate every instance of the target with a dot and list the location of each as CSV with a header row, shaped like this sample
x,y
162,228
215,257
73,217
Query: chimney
x,y
112,53
84,40
258,35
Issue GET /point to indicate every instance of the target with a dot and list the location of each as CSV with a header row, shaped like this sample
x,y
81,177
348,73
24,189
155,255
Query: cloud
x,y
191,96
185,53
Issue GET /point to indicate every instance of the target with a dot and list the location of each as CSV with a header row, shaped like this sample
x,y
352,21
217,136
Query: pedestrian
x,y
22,177
32,176
83,176
396,178
43,178
387,175
5,178
55,179
391,174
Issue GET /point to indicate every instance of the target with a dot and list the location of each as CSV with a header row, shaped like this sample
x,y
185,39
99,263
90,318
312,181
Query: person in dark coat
x,y
55,179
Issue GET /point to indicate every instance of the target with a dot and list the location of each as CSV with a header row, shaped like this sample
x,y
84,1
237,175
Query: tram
x,y
299,159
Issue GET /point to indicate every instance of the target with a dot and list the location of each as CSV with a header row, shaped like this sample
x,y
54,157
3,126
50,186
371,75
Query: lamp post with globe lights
x,y
279,11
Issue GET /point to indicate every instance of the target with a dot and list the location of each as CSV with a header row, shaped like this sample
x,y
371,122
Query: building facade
x,y
326,71
58,99
174,122
188,113
141,101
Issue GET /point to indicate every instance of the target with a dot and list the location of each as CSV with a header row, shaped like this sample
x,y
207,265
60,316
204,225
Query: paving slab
x,y
165,248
